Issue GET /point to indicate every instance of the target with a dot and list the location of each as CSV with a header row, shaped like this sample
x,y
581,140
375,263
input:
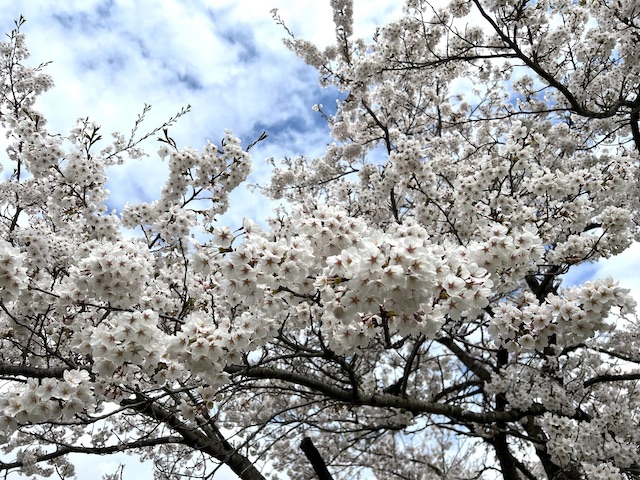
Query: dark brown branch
x,y
474,365
612,378
31,372
382,400
507,462
408,368
635,129
316,460
214,446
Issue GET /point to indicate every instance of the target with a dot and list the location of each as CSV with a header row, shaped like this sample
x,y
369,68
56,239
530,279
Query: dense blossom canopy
x,y
404,310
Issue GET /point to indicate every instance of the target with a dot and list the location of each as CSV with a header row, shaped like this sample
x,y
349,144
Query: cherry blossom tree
x,y
404,314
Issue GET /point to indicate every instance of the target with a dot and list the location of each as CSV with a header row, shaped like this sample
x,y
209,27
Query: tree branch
x,y
213,446
60,452
32,372
318,463
413,405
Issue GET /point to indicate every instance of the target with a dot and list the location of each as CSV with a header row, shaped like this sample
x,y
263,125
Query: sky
x,y
226,59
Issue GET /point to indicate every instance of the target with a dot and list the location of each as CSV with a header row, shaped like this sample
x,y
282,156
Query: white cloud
x,y
226,59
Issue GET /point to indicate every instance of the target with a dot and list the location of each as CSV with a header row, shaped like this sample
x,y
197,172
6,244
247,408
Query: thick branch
x,y
409,365
635,129
507,461
474,365
612,378
31,372
382,400
318,463
213,446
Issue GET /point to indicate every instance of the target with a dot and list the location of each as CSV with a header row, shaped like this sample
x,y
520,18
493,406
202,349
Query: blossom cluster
x,y
205,347
401,282
600,453
128,338
197,189
523,387
113,273
507,256
40,400
367,281
572,316
13,275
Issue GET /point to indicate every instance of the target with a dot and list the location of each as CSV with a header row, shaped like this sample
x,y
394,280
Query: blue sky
x,y
223,57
